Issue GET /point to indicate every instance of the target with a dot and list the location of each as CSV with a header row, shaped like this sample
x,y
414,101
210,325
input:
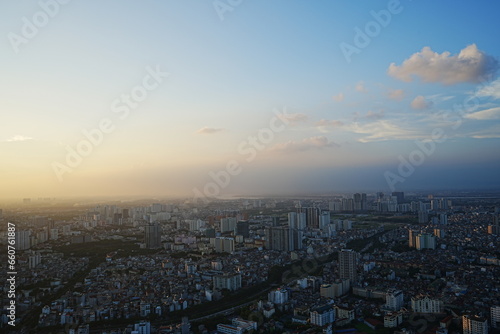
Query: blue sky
x,y
230,64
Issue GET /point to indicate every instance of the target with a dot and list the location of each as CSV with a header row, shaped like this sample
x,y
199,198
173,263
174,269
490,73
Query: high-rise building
x,y
394,299
439,233
283,238
443,219
495,227
472,324
227,281
54,234
152,236
400,196
156,207
443,204
425,241
348,265
228,224
412,235
423,217
357,202
143,328
23,240
293,221
312,217
425,304
393,319
335,289
243,228
495,316
324,219
278,296
323,315
347,204
224,245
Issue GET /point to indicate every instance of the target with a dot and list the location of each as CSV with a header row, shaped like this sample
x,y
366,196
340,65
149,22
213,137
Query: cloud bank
x,y
470,65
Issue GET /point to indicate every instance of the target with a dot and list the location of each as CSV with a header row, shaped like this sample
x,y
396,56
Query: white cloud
x,y
491,90
487,114
374,114
470,65
306,144
360,87
382,130
293,118
396,94
339,97
19,138
325,125
436,98
420,103
491,132
207,130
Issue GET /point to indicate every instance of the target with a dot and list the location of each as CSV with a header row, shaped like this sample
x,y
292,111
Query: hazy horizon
x,y
134,100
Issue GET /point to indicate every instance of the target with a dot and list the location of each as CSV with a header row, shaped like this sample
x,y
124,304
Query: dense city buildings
x,y
263,262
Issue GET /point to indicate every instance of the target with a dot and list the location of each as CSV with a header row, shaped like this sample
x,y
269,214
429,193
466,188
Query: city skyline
x,y
166,98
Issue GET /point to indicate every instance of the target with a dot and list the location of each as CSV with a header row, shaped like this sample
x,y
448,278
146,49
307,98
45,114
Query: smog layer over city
x,y
243,167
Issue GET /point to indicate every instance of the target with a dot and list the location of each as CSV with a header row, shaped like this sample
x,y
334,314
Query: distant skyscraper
x,y
228,224
425,241
324,219
495,227
400,196
152,236
440,233
23,240
412,235
347,204
347,264
243,228
283,238
312,217
293,220
224,245
443,204
357,202
423,217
